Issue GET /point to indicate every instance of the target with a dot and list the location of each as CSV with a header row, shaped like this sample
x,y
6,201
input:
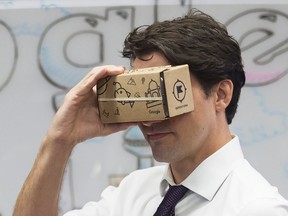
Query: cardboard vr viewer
x,y
146,94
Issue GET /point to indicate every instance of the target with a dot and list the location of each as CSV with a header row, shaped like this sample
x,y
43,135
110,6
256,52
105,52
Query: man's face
x,y
184,137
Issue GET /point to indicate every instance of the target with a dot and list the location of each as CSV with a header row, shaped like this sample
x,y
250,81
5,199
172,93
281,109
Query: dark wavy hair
x,y
198,40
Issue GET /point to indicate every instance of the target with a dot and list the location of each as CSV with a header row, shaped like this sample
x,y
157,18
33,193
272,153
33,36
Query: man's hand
x,y
78,117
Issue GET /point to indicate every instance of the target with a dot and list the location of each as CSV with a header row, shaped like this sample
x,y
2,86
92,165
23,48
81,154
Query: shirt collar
x,y
208,177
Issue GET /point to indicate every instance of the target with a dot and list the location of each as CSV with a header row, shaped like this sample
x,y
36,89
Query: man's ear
x,y
224,91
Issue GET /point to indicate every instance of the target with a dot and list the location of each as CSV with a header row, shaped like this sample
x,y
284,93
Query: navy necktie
x,y
172,197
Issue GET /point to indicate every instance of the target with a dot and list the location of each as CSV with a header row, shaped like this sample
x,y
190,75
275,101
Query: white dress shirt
x,y
224,184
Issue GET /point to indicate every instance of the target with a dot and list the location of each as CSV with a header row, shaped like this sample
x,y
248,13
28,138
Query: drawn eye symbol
x,y
120,91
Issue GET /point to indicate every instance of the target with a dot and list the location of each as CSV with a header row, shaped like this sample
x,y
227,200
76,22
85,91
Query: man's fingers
x,y
91,79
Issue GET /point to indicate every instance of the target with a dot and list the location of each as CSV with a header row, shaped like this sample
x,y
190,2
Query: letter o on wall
x,y
8,54
68,48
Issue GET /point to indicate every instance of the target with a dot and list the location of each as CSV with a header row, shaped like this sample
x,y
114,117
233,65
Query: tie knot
x,y
178,188
172,197
177,192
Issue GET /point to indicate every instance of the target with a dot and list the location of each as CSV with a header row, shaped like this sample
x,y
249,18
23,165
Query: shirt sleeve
x,y
266,207
100,208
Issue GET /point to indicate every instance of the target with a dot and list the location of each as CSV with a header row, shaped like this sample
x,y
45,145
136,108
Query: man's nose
x,y
149,123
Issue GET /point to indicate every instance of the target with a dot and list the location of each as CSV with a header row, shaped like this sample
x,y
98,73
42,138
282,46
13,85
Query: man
x,y
202,154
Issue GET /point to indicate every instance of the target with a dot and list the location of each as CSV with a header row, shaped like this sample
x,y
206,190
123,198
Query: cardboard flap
x,y
147,70
178,90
